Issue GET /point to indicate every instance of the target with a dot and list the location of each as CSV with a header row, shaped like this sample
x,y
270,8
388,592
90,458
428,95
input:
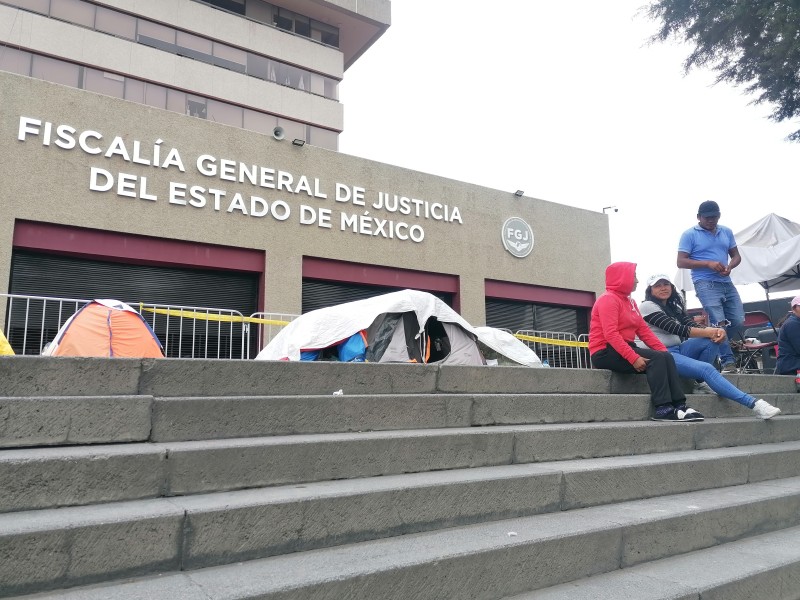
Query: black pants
x,y
662,375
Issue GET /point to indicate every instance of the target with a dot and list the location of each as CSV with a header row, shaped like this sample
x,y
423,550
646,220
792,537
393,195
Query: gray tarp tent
x,y
398,327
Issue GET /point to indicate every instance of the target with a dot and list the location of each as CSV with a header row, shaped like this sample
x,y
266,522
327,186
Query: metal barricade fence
x,y
267,326
197,331
32,322
583,351
559,349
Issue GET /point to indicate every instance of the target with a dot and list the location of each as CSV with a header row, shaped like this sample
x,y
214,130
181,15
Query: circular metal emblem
x,y
517,237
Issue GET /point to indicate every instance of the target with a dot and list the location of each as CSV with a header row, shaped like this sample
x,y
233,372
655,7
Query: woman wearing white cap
x,y
789,342
694,347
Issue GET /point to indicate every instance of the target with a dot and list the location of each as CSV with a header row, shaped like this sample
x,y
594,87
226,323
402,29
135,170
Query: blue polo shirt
x,y
701,244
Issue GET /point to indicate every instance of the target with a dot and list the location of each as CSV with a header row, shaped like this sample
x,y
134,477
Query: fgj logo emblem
x,y
517,237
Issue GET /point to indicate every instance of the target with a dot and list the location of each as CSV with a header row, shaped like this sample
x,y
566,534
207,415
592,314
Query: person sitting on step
x,y
695,348
789,341
616,322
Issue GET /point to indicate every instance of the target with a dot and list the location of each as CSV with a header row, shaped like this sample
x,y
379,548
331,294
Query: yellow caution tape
x,y
550,341
191,314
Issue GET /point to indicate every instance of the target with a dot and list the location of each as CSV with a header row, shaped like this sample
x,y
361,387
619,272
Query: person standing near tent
x,y
694,347
706,249
616,322
789,342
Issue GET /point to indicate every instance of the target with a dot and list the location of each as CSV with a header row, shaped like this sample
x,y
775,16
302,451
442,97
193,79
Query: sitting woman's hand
x,y
640,364
716,334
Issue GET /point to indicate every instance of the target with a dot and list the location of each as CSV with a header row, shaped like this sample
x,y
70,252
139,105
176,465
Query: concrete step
x,y
24,376
56,421
51,477
764,566
68,546
486,560
185,418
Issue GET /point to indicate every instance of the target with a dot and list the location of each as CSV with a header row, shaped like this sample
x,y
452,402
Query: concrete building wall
x,y
43,182
105,52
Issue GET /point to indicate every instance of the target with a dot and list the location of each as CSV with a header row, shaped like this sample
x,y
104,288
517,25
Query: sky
x,y
569,102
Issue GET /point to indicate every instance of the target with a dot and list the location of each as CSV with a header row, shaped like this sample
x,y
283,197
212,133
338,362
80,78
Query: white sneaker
x,y
765,410
701,387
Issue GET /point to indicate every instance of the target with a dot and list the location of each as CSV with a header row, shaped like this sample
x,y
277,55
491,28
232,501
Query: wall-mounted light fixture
x,y
519,193
298,142
610,208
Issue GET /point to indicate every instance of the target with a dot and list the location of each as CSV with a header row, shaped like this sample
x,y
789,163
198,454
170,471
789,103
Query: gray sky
x,y
566,101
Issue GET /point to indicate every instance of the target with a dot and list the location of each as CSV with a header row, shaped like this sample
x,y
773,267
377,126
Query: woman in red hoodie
x,y
616,322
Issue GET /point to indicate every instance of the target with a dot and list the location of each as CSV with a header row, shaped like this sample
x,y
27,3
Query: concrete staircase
x,y
181,479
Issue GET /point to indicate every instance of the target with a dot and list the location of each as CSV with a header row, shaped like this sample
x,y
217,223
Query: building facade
x,y
186,152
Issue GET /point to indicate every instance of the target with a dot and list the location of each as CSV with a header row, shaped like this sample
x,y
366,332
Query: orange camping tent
x,y
106,328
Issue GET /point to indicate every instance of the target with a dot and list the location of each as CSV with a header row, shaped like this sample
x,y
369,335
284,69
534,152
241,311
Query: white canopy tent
x,y
770,250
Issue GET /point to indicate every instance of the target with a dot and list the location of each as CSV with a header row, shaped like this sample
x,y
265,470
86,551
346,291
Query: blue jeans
x,y
695,357
721,301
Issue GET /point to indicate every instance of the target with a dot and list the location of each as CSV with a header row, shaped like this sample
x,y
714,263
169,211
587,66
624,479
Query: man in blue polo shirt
x,y
706,249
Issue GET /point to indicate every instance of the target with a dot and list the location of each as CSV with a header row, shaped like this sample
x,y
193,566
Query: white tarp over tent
x,y
770,251
324,327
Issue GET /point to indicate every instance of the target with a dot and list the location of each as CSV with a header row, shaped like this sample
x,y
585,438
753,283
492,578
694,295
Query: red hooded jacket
x,y
616,320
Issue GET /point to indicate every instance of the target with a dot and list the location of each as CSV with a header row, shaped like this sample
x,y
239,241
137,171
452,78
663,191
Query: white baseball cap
x,y
795,301
653,279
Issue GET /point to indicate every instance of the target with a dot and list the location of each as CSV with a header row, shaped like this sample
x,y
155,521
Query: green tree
x,y
750,43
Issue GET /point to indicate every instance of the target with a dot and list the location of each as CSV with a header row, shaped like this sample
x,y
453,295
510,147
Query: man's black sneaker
x,y
670,415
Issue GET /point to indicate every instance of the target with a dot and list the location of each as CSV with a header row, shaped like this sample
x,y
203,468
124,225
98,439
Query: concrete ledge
x,y
41,478
73,420
230,527
175,377
522,380
72,546
572,441
746,431
234,464
25,376
765,566
512,409
238,526
47,376
50,477
493,559
215,418
763,384
626,480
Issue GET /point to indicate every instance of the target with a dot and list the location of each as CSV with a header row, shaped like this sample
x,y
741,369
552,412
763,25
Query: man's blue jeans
x,y
722,302
695,357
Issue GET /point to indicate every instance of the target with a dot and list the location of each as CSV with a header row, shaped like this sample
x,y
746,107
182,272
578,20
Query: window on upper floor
x,y
198,47
39,6
73,11
235,6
